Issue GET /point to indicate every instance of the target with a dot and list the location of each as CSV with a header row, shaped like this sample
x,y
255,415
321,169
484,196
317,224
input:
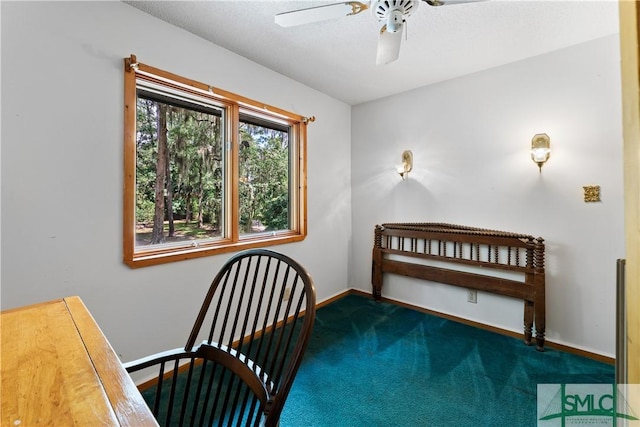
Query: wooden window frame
x,y
133,70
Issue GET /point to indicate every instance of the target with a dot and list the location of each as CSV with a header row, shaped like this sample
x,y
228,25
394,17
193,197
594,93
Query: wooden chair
x,y
255,324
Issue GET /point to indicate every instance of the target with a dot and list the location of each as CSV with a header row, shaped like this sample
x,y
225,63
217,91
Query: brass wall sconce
x,y
407,164
540,149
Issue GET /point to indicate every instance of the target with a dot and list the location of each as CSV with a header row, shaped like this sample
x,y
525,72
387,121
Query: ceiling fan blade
x,y
449,2
388,46
320,13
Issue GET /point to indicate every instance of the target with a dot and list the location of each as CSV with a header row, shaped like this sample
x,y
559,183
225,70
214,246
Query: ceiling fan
x,y
392,13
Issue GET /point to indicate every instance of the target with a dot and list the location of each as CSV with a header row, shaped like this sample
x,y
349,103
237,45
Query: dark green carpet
x,y
378,364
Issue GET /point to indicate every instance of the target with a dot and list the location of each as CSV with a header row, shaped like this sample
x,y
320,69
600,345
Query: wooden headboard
x,y
451,245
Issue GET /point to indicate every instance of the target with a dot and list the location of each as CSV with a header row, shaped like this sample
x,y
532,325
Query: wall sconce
x,y
407,164
540,150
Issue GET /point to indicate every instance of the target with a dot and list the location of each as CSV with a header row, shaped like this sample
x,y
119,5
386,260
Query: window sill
x,y
154,258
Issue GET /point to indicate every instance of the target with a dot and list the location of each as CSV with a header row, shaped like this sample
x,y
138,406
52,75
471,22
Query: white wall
x,y
62,127
470,139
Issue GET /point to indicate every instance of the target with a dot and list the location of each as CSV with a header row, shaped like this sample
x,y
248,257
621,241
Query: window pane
x,y
179,172
264,181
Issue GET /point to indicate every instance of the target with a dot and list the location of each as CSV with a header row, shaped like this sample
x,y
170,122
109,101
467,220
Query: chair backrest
x,y
244,350
259,311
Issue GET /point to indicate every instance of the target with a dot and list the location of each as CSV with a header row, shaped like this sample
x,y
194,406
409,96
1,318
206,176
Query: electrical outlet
x,y
472,296
287,294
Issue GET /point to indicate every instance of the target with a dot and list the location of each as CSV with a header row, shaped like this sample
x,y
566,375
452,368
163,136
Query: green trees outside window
x,y
179,174
207,173
264,178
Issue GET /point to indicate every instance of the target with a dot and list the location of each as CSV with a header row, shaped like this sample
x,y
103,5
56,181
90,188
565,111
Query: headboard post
x,y
540,297
376,264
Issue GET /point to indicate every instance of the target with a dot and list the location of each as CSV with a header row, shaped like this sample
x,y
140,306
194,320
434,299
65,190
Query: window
x,y
207,171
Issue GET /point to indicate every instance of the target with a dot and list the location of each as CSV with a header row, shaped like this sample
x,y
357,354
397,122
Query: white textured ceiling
x,y
338,57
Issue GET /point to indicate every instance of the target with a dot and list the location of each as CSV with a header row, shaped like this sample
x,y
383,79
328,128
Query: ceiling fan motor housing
x,y
393,12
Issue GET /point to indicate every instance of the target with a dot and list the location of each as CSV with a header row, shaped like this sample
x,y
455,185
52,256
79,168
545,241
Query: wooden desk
x,y
58,369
